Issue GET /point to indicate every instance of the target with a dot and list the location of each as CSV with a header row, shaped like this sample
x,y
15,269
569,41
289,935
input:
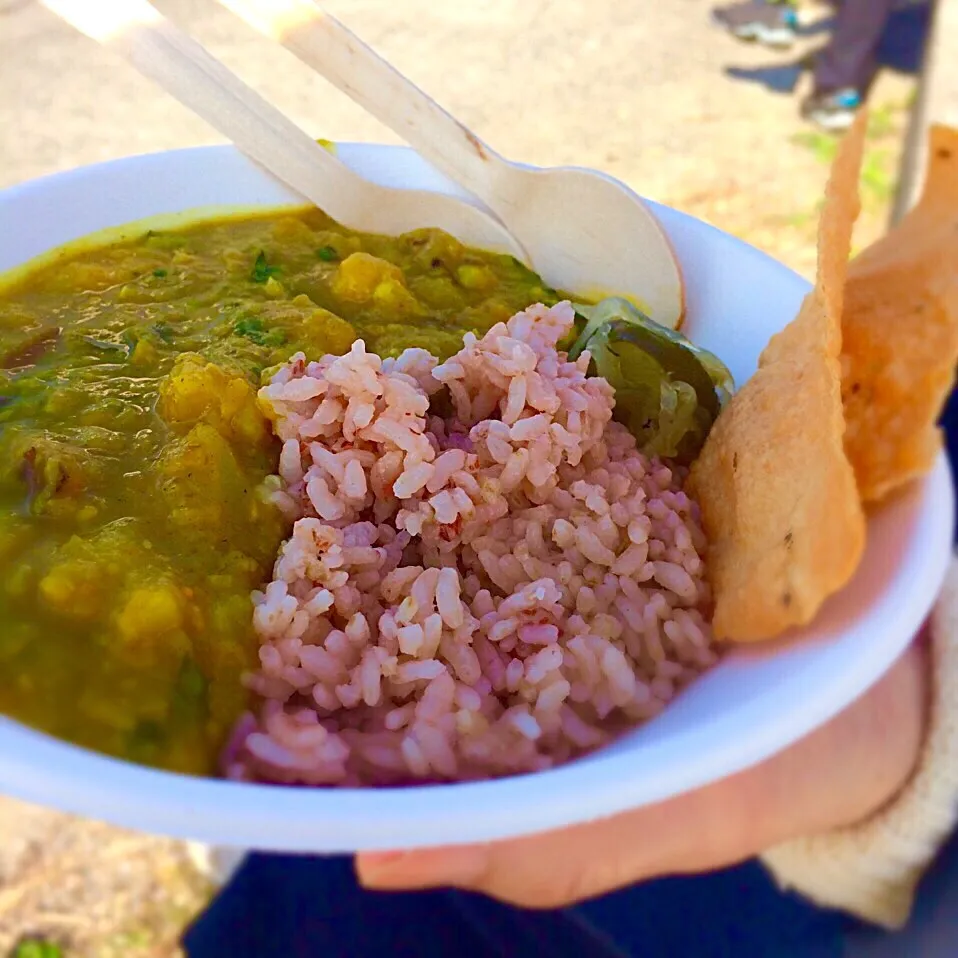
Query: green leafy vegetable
x,y
667,390
160,273
327,254
262,270
253,329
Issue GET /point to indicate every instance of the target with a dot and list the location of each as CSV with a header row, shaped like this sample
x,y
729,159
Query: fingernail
x,y
419,869
380,869
375,861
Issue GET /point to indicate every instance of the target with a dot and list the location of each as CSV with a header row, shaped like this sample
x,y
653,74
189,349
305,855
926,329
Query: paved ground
x,y
641,89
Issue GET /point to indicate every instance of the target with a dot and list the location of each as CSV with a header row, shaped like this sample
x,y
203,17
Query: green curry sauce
x,y
132,452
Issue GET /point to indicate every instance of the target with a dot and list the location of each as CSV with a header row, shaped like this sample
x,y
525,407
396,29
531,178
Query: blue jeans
x,y
303,907
306,907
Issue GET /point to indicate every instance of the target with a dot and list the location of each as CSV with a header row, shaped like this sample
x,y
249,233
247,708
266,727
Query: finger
x,y
555,868
455,865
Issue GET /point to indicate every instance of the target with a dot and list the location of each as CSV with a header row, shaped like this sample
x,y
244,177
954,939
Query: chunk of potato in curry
x,y
133,452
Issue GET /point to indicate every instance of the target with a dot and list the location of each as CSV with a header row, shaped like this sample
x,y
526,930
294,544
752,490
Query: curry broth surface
x,y
133,454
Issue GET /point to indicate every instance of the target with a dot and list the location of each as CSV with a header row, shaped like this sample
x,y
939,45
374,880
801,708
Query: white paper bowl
x,y
756,702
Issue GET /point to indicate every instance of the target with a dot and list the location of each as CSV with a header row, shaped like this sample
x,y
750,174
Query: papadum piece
x,y
779,502
900,334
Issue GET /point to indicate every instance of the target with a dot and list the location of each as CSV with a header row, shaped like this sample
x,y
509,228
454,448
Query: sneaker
x,y
832,112
773,24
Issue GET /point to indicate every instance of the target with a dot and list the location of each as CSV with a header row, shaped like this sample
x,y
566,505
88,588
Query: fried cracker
x,y
778,495
900,334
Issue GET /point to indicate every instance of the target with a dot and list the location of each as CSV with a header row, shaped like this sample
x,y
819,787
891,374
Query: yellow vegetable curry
x,y
133,454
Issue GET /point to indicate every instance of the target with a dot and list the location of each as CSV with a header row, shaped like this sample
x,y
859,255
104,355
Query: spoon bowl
x,y
585,235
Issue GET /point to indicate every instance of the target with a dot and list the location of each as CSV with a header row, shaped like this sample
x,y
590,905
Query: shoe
x,y
832,112
773,24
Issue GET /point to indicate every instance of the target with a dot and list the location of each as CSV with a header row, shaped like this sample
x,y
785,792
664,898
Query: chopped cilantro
x,y
327,254
262,270
253,329
191,684
160,273
250,327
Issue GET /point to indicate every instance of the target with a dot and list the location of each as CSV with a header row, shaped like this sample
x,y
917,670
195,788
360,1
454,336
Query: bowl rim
x,y
37,767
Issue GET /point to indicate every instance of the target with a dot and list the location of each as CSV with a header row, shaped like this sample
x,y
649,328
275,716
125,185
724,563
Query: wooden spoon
x,y
585,232
159,50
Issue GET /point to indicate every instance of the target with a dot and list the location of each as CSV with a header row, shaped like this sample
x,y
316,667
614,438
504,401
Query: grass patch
x,y
799,219
879,176
883,121
36,948
133,941
823,146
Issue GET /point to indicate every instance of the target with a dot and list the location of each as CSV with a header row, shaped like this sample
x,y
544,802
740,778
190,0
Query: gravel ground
x,y
642,90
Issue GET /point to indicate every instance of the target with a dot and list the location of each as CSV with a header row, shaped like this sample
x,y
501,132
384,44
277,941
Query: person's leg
x,y
279,906
771,23
845,69
302,907
849,61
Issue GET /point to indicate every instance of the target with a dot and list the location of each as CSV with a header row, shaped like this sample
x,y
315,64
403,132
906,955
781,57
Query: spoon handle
x,y
320,41
180,65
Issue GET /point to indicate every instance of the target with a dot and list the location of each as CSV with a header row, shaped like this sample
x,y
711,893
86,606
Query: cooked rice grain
x,y
492,592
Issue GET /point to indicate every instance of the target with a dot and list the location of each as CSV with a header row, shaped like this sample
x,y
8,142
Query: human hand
x,y
838,775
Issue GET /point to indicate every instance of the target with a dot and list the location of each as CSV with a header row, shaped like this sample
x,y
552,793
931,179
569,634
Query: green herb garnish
x,y
327,254
160,273
191,683
253,329
262,270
